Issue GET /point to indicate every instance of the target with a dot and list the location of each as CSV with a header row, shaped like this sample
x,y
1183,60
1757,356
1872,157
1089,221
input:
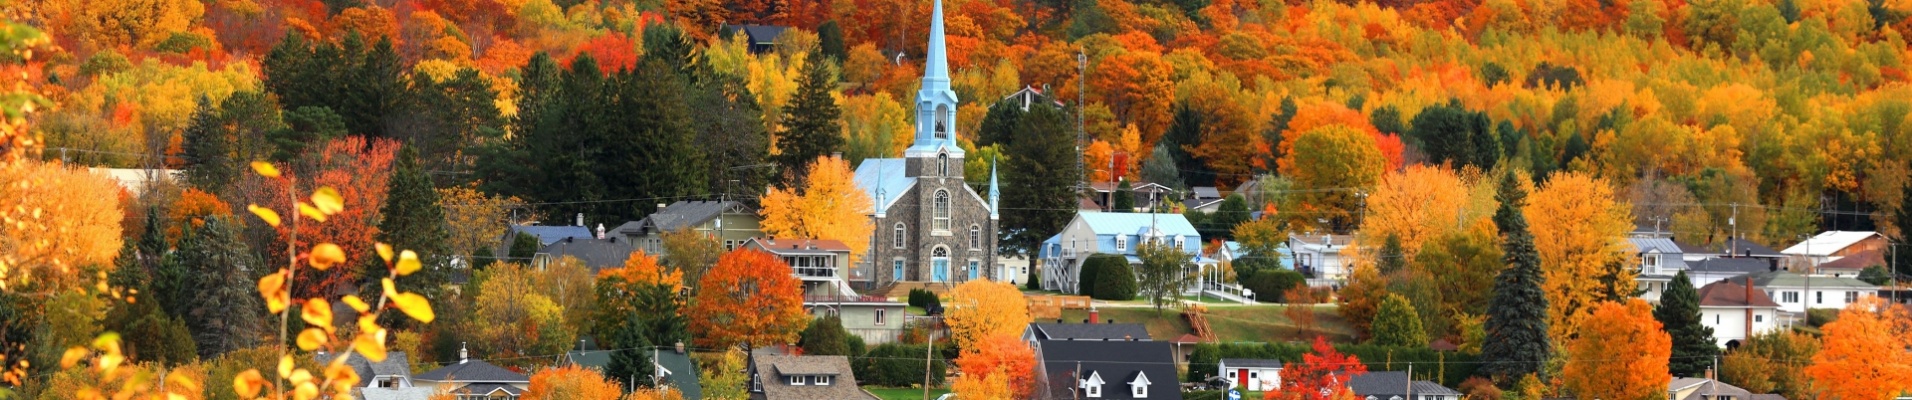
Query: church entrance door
x,y
939,262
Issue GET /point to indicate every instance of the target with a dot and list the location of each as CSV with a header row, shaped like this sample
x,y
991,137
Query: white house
x,y
1655,261
1795,293
1093,233
1736,312
1319,256
1248,374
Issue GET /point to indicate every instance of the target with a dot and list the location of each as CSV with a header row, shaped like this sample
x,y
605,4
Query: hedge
x,y
1115,282
897,365
1085,279
1273,284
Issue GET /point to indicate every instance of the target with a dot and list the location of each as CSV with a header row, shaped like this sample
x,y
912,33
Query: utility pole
x,y
1082,75
1732,246
930,340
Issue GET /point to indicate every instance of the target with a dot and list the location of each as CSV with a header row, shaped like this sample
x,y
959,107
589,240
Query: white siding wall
x,y
1832,298
1729,323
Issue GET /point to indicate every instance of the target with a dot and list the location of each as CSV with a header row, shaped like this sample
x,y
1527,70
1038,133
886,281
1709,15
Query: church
x,y
930,227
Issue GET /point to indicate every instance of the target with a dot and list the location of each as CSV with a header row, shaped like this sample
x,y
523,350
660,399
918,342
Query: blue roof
x,y
884,174
552,234
1133,223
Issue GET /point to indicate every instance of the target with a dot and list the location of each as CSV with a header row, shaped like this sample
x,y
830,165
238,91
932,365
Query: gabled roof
x,y
487,389
1250,363
1662,245
788,247
1826,243
1130,223
884,176
1117,362
1737,246
1094,332
1792,280
1728,294
1706,389
685,214
472,370
549,234
1856,262
683,372
595,253
1392,383
772,370
593,359
395,364
1337,240
1206,192
759,34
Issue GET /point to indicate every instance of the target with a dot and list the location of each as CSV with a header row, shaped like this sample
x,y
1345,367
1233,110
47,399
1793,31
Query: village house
x,y
1092,233
1796,293
471,379
1737,312
1117,369
1831,246
1247,374
781,377
1319,256
1395,385
728,222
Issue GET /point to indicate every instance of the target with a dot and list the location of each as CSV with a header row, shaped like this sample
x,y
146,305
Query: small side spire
x,y
995,195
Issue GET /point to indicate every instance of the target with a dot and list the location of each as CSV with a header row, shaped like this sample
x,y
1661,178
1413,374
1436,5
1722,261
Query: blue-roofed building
x,y
1114,233
1655,261
930,226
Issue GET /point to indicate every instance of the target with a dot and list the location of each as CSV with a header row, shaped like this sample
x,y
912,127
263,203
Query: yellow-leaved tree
x,y
1580,232
830,206
982,308
1417,205
1621,354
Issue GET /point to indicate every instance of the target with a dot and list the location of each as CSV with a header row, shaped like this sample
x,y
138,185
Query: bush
x,y
825,337
897,365
1819,317
926,300
1273,284
1086,278
1115,282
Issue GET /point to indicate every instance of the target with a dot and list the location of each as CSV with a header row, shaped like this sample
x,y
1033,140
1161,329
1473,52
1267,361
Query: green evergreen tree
x,y
207,150
1124,197
825,337
1679,314
1116,281
412,220
1044,184
1517,343
1233,211
1397,324
631,353
813,127
830,41
1875,275
650,148
222,307
1277,124
1160,169
999,125
523,247
1392,258
1185,132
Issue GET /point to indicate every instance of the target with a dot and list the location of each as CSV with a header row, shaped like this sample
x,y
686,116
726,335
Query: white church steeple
x,y
935,102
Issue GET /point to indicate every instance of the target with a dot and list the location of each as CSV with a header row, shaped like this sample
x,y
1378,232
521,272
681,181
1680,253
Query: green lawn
x,y
1240,323
905,393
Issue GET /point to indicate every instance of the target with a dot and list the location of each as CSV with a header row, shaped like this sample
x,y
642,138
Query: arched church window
x,y
941,215
898,236
942,121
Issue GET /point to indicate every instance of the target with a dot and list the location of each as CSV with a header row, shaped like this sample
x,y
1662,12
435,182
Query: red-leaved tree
x,y
1320,375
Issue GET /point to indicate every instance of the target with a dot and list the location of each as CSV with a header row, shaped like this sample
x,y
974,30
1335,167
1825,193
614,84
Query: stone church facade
x,y
930,226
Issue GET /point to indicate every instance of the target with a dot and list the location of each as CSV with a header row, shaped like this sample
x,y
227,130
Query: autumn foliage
x,y
1621,353
830,206
1000,366
1321,375
1577,226
1863,355
60,219
749,297
571,382
980,309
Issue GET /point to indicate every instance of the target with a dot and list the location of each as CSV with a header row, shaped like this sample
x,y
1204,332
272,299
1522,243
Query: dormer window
x,y
1139,388
823,380
796,380
1121,242
1650,264
1091,386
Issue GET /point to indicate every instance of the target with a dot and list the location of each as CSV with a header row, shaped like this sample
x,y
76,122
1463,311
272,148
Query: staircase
x,y
1199,323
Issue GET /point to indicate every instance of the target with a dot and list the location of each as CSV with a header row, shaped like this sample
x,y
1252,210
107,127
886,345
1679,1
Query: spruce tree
x,y
222,311
1043,185
630,352
1392,258
813,125
412,220
208,150
1516,343
1124,197
1397,324
1679,314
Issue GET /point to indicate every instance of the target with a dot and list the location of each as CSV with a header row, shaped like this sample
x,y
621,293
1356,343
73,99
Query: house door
x,y
896,275
939,265
1241,379
975,269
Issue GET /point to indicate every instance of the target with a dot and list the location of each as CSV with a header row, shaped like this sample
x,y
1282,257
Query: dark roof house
x,y
762,38
775,377
681,215
1107,370
471,377
676,370
1096,332
1395,385
597,254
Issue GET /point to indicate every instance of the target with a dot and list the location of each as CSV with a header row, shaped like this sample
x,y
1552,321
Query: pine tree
x,y
1044,184
1516,343
814,127
222,311
631,355
412,220
651,149
208,150
1397,324
1679,314
1185,132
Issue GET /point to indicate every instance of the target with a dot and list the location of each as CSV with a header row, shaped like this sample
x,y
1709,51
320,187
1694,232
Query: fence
x,y
1049,307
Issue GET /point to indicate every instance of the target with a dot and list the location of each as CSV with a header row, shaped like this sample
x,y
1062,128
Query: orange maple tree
x,y
1000,366
192,208
571,382
357,168
643,268
1620,354
1863,356
749,297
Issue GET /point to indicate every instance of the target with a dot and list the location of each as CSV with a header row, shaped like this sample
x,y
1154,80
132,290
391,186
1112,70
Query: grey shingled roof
x,y
1709,388
1116,362
1424,388
395,364
683,214
472,370
1251,363
683,372
595,253
1097,332
772,369
1740,265
547,234
1665,246
1391,383
487,388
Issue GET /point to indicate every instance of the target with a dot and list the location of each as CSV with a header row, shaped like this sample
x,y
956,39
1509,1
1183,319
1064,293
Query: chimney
x,y
581,345
600,231
661,206
580,219
1748,322
680,347
1709,374
1094,316
463,355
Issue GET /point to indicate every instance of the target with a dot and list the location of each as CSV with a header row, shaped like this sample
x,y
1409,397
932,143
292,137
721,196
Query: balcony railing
x,y
824,298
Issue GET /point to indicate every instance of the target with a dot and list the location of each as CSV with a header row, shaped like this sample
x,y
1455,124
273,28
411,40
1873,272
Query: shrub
x,y
897,365
1086,278
1115,282
1273,284
825,337
1818,317
924,299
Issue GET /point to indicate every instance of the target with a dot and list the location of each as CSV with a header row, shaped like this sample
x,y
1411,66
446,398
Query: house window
x,y
881,315
1818,297
975,237
1231,375
1254,374
896,236
730,245
796,380
1121,242
1852,297
1094,391
942,211
1139,391
1178,241
1789,297
1759,318
823,380
1651,264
